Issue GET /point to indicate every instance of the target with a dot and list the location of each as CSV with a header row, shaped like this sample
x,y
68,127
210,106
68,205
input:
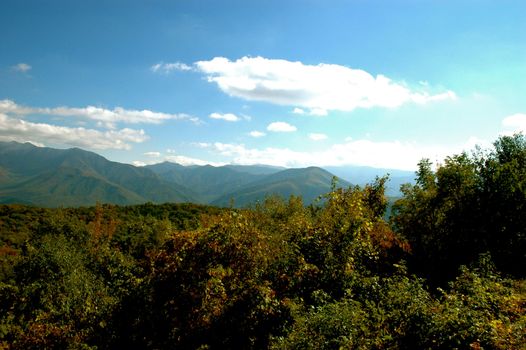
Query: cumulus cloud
x,y
201,144
153,154
256,133
474,142
105,117
297,110
22,67
10,107
229,117
317,137
515,123
281,127
318,112
166,68
318,88
183,160
386,154
13,129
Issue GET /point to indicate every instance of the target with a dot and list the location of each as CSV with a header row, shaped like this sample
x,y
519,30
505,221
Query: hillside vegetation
x,y
53,177
73,177
446,272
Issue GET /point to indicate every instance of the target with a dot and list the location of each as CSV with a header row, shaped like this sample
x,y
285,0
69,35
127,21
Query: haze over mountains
x,y
73,177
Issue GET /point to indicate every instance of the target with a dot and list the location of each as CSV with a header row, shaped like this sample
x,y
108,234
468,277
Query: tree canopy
x,y
445,272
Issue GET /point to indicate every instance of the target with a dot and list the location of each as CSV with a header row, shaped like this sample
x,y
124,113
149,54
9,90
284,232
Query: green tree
x,y
208,288
468,206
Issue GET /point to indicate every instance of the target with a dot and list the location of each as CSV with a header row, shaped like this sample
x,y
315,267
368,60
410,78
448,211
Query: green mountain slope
x,y
66,187
210,182
256,169
310,183
74,177
52,177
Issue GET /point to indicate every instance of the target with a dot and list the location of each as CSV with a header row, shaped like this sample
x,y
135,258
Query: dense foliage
x,y
280,275
472,204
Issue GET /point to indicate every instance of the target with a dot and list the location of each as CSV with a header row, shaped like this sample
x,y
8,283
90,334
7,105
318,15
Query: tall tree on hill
x,y
470,205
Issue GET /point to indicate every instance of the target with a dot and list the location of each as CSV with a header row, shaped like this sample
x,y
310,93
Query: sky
x,y
285,83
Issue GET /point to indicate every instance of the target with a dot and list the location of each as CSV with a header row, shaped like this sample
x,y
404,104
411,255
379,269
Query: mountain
x,y
256,169
246,184
361,175
309,182
210,182
72,177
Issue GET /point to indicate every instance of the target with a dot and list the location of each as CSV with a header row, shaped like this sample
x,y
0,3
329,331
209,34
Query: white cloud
x,y
256,133
170,151
229,117
118,114
19,130
317,137
388,154
153,154
183,160
297,110
105,117
321,87
474,141
8,106
169,67
202,144
38,144
317,112
139,163
22,67
515,123
281,127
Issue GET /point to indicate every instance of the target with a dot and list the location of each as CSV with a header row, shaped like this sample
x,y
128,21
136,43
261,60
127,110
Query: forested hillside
x,y
73,177
446,272
51,177
310,182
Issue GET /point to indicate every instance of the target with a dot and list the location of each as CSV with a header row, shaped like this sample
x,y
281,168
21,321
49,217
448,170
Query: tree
x,y
470,205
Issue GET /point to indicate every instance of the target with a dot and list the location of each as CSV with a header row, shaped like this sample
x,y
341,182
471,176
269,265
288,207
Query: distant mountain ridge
x,y
207,181
310,182
73,177
361,175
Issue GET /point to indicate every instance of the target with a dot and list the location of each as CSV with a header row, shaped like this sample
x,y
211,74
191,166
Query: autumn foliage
x,y
280,274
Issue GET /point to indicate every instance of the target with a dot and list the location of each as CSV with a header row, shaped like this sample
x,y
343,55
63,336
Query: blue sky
x,y
289,83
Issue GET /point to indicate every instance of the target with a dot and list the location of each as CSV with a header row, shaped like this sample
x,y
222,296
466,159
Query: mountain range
x,y
73,177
